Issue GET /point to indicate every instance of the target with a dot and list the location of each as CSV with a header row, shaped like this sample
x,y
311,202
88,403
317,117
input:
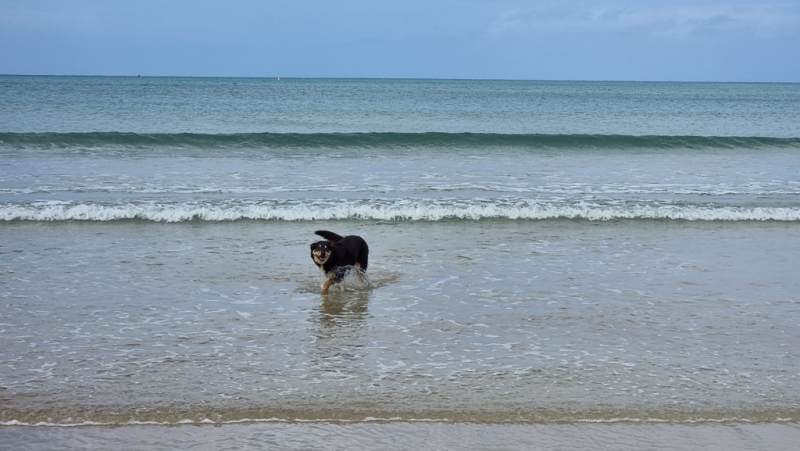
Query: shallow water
x,y
485,321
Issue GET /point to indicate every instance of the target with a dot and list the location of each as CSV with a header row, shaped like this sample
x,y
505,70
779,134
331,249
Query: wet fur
x,y
333,255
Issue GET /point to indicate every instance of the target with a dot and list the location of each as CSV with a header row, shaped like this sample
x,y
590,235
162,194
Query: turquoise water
x,y
226,106
541,252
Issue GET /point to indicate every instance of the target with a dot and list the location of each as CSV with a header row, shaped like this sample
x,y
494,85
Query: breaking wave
x,y
386,210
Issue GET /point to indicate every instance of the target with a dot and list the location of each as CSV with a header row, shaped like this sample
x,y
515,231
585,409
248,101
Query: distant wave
x,y
390,211
192,419
299,189
382,140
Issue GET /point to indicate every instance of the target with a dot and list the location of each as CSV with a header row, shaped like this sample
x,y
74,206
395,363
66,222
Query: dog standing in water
x,y
334,255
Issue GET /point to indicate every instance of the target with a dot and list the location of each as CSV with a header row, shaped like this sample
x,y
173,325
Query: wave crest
x,y
399,210
380,140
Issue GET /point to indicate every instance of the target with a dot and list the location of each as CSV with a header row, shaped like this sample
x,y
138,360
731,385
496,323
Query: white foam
x,y
372,419
387,209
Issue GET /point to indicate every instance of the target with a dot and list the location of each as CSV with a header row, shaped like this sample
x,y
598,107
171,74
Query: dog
x,y
333,255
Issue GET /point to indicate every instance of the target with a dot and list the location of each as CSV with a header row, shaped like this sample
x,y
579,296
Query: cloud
x,y
757,20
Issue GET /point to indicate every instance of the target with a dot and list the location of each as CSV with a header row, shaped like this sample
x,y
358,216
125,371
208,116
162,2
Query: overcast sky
x,y
698,40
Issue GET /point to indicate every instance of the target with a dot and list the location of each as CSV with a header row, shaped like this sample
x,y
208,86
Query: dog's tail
x,y
330,236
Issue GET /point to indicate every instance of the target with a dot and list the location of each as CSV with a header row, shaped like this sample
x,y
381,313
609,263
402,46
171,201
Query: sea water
x,y
541,254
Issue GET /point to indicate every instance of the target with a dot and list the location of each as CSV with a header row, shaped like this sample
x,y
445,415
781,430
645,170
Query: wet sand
x,y
409,436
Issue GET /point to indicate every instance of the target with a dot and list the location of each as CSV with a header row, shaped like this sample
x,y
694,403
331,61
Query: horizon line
x,y
265,77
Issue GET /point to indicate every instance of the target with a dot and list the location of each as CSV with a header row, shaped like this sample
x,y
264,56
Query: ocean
x,y
553,264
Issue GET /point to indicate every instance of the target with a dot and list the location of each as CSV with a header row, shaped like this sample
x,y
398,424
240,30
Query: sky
x,y
642,40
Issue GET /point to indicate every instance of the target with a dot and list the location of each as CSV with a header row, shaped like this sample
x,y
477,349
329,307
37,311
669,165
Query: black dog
x,y
333,255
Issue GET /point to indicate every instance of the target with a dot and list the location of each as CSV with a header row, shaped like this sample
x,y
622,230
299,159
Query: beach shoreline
x,y
410,436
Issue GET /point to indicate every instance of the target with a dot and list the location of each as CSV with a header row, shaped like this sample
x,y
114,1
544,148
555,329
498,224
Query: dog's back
x,y
348,250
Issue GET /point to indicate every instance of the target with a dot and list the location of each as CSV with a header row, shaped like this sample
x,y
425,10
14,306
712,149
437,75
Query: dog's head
x,y
321,252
